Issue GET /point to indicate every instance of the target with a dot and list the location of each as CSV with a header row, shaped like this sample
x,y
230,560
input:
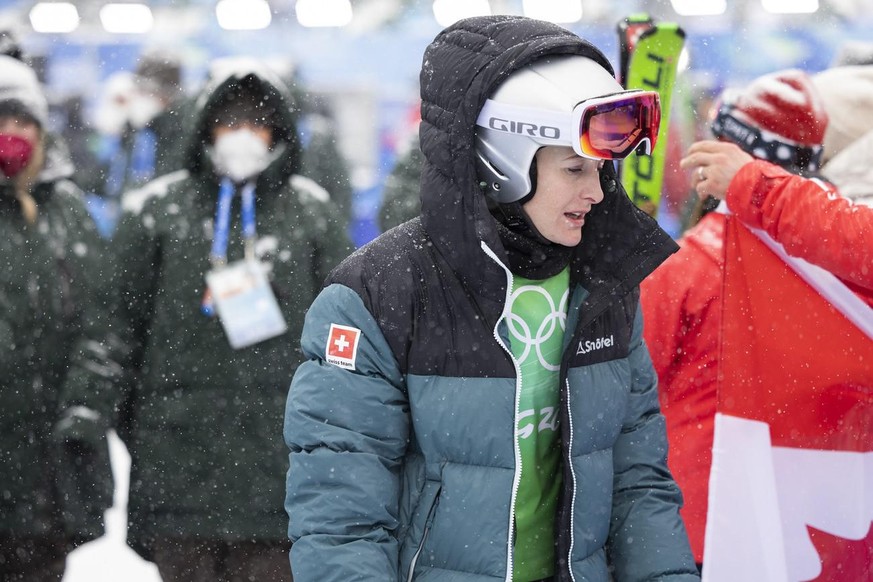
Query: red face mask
x,y
15,153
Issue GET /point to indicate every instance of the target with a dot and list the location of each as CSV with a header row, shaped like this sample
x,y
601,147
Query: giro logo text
x,y
524,128
588,346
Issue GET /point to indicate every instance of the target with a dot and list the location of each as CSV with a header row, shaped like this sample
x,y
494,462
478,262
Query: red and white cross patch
x,y
342,346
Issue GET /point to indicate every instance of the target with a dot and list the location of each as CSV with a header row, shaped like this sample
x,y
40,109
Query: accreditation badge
x,y
245,303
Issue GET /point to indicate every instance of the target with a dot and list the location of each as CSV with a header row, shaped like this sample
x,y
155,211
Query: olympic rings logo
x,y
554,322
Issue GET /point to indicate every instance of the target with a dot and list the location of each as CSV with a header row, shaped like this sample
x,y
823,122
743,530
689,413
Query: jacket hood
x,y
461,68
21,94
19,85
255,77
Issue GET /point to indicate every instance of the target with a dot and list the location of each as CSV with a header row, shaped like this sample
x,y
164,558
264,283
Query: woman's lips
x,y
575,218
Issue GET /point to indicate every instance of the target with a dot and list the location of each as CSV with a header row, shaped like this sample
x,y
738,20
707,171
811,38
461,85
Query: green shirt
x,y
536,325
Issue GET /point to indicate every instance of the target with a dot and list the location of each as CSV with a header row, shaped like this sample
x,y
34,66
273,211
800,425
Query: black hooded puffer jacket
x,y
402,424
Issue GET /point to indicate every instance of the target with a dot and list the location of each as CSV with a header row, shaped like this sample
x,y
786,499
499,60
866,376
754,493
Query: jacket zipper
x,y
573,474
517,473
428,522
566,383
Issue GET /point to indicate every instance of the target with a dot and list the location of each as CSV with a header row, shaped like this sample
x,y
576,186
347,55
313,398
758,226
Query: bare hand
x,y
713,164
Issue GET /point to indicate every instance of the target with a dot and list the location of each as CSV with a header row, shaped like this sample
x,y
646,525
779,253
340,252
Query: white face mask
x,y
240,154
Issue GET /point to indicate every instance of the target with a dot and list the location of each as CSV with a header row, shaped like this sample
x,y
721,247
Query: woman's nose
x,y
594,191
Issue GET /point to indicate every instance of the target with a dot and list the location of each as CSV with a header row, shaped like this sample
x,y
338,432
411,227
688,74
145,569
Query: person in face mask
x,y
21,154
142,118
242,139
55,363
217,265
160,108
23,117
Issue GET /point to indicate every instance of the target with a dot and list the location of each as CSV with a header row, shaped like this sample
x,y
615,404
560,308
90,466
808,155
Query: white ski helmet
x,y
537,106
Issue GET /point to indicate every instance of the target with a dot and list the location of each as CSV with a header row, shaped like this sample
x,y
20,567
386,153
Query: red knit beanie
x,y
778,117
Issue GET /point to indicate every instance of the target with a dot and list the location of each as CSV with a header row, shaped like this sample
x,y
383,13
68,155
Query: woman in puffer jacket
x,y
478,403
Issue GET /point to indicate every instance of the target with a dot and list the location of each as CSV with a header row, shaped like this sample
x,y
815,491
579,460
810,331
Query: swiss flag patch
x,y
342,346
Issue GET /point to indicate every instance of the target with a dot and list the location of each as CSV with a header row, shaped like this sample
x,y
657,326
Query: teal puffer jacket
x,y
402,423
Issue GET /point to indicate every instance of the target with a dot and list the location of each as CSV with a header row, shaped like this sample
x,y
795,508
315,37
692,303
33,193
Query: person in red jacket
x,y
778,118
809,217
812,218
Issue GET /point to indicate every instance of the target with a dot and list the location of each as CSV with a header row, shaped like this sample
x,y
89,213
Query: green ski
x,y
651,64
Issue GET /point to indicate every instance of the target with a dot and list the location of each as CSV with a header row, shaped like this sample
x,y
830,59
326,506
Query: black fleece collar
x,y
530,254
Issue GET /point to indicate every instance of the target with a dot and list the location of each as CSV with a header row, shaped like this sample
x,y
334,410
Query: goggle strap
x,y
752,139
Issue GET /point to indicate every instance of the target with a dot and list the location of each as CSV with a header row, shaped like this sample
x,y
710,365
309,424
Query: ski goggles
x,y
765,145
610,127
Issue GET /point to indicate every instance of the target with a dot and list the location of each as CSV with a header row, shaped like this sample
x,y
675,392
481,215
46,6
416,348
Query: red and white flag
x,y
791,487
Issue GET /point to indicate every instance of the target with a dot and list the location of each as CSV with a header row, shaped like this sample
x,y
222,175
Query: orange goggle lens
x,y
613,127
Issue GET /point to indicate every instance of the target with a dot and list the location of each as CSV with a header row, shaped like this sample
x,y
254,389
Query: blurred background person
x,y
143,120
204,417
56,478
779,118
59,160
322,159
109,122
83,142
156,118
400,201
847,94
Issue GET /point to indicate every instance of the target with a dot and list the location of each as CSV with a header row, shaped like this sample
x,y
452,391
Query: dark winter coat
x,y
323,161
145,153
403,462
203,420
57,378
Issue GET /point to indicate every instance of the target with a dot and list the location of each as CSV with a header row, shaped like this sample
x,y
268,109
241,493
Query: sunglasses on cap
x,y
610,127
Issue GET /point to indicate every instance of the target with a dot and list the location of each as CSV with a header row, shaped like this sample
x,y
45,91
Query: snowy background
x,y
109,559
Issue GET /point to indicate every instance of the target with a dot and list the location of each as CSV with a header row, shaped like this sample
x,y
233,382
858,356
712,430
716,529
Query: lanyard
x,y
218,255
